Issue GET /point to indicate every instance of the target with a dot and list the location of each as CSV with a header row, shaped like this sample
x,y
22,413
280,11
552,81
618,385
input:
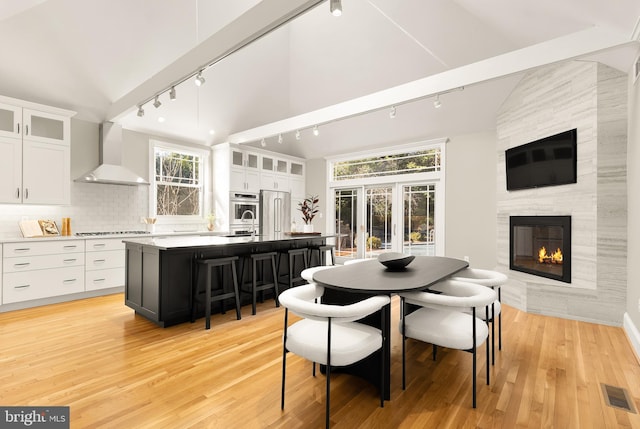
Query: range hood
x,y
110,170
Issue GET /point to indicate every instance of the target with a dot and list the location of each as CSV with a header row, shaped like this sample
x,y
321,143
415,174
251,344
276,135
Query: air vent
x,y
617,397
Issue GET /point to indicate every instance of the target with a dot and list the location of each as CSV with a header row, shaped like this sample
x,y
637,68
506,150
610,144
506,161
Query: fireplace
x,y
541,245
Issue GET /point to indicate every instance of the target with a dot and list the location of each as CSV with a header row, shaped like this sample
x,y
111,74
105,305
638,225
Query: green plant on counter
x,y
309,208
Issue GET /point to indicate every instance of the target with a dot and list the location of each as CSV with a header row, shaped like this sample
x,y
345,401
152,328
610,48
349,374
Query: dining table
x,y
346,284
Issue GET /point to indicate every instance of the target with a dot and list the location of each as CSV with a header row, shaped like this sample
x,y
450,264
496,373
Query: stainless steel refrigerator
x,y
275,212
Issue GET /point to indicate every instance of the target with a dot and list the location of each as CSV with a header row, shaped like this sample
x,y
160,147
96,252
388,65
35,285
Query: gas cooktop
x,y
88,234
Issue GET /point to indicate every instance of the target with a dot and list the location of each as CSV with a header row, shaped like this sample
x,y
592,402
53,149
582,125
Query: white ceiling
x,y
102,57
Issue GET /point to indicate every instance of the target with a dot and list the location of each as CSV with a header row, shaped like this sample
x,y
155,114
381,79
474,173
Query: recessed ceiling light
x,y
161,119
212,131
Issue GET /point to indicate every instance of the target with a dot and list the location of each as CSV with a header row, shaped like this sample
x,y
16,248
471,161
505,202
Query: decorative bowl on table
x,y
395,261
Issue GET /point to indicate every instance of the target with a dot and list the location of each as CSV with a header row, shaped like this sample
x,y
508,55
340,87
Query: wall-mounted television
x,y
549,161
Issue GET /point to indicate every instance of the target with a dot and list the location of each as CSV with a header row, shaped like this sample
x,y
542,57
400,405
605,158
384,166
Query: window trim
x,y
206,186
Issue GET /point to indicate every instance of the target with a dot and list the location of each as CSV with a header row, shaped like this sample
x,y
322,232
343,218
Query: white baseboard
x,y
633,334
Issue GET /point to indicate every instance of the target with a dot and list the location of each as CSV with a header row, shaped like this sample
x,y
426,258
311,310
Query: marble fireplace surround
x,y
592,98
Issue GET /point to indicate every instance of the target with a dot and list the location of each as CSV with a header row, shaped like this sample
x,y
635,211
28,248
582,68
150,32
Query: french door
x,y
398,217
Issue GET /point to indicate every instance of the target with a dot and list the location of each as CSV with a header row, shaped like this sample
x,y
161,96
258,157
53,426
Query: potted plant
x,y
309,208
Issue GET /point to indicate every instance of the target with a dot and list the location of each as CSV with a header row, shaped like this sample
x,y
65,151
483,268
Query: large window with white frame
x,y
179,182
389,200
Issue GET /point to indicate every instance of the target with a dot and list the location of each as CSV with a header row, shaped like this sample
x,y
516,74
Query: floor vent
x,y
617,397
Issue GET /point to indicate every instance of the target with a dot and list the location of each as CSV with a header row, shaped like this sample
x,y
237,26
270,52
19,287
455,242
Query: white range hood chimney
x,y
110,170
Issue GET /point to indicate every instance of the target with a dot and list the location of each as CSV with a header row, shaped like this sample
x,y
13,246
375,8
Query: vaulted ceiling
x,y
102,58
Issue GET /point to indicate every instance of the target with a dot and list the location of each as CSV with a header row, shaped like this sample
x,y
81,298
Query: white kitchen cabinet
x,y
104,263
35,147
273,175
244,173
10,170
10,120
42,269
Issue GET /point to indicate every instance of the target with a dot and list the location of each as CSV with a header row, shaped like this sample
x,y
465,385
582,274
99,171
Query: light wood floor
x,y
117,370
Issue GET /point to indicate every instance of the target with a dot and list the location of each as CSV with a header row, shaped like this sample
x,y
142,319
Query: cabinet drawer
x,y
104,260
102,279
102,244
26,286
42,262
27,248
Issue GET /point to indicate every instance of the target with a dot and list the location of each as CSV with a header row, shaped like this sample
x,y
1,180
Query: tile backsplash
x,y
94,207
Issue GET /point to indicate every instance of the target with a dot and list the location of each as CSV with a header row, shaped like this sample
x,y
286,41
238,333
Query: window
x,y
419,161
178,181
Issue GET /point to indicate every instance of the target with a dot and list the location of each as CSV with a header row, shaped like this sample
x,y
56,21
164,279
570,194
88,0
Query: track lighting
x,y
436,103
199,79
392,112
336,7
297,134
140,111
316,131
280,138
263,143
157,102
172,93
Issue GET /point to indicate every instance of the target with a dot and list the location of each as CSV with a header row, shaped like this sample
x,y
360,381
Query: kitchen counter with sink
x,y
160,270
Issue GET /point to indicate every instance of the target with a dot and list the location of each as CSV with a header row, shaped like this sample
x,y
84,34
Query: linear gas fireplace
x,y
541,245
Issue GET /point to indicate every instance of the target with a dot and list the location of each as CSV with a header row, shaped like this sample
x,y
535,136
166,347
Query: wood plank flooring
x,y
117,370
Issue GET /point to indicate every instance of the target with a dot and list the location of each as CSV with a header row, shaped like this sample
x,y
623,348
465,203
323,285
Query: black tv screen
x,y
546,162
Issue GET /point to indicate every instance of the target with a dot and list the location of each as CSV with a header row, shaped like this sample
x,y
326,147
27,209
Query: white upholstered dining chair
x,y
329,334
493,280
440,320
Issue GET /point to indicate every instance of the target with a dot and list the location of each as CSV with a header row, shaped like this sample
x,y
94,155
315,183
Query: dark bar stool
x,y
210,286
259,280
290,256
322,254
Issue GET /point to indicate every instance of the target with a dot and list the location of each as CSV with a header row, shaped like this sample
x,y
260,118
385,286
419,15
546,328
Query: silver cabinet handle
x,y
70,246
21,265
26,193
17,192
21,287
99,280
68,261
26,129
21,249
99,261
18,124
69,281
96,245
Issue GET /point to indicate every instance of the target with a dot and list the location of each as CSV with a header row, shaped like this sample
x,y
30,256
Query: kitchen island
x,y
160,270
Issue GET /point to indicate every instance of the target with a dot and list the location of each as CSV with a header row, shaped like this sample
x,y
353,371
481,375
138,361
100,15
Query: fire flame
x,y
554,258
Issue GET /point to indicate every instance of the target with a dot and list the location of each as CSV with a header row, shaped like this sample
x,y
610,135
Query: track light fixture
x,y
436,103
280,138
336,7
199,81
316,131
297,134
263,143
172,93
140,111
157,102
392,112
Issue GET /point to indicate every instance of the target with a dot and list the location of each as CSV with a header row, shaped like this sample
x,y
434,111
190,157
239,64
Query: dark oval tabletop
x,y
371,276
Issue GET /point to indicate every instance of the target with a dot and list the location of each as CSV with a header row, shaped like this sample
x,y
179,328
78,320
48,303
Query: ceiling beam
x,y
258,21
574,45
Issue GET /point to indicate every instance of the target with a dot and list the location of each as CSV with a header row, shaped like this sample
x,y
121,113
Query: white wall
x,y
633,187
470,212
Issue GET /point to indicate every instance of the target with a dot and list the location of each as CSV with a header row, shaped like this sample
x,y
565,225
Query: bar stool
x,y
322,254
290,256
210,286
259,281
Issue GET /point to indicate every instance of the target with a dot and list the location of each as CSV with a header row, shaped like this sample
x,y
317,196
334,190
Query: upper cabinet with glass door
x,y
46,127
10,121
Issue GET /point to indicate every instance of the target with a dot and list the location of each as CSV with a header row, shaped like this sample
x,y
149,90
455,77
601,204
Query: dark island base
x,y
159,280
